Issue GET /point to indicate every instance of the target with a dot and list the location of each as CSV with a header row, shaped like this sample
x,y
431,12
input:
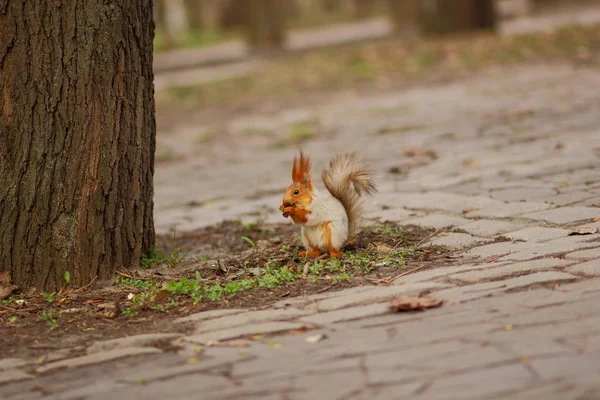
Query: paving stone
x,y
583,287
489,227
14,375
584,254
508,270
505,210
162,373
590,268
564,199
537,234
445,201
564,215
204,315
547,390
556,246
455,240
145,340
496,249
471,292
522,193
481,383
437,221
376,294
249,317
436,273
100,389
475,356
567,366
96,358
12,363
346,314
179,387
393,214
240,331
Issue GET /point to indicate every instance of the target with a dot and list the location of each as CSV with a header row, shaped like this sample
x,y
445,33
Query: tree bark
x,y
77,139
453,16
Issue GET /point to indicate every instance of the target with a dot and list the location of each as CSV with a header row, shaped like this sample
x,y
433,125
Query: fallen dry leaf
x,y
597,219
468,210
91,301
316,338
409,303
418,152
583,231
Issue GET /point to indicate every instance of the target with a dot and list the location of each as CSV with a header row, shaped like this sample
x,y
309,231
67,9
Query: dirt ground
x,y
140,301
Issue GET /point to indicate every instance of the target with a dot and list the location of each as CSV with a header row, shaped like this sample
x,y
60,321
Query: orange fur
x,y
300,193
333,253
301,169
297,214
314,252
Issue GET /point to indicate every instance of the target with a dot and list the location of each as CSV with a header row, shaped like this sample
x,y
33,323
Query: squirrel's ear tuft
x,y
301,169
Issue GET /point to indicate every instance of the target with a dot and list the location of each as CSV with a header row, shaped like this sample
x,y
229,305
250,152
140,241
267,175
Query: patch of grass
x,y
157,257
50,320
12,299
140,284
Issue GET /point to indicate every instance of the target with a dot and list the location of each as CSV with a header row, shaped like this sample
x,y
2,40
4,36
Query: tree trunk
x,y
265,23
193,14
453,16
363,9
404,14
77,139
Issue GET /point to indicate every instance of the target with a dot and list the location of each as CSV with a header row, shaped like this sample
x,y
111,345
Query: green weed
x,y
50,320
49,297
249,241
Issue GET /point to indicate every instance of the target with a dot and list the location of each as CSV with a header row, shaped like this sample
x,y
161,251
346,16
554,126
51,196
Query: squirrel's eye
x,y
296,191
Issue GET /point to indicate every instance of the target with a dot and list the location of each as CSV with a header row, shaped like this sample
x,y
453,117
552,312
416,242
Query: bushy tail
x,y
347,179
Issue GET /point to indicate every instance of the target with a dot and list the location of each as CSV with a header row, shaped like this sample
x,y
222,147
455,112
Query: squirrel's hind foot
x,y
309,254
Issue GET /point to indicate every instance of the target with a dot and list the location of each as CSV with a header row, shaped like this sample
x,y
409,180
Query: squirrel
x,y
328,219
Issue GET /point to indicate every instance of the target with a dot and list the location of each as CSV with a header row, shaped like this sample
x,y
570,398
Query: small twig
x,y
325,289
407,272
393,278
420,242
125,275
83,287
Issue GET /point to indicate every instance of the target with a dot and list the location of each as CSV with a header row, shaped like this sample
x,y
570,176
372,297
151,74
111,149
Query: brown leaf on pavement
x,y
419,152
583,231
597,219
409,303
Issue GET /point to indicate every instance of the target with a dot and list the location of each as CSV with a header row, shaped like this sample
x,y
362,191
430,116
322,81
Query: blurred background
x,y
242,84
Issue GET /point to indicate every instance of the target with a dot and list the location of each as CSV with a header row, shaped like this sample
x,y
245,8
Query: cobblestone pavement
x,y
510,158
